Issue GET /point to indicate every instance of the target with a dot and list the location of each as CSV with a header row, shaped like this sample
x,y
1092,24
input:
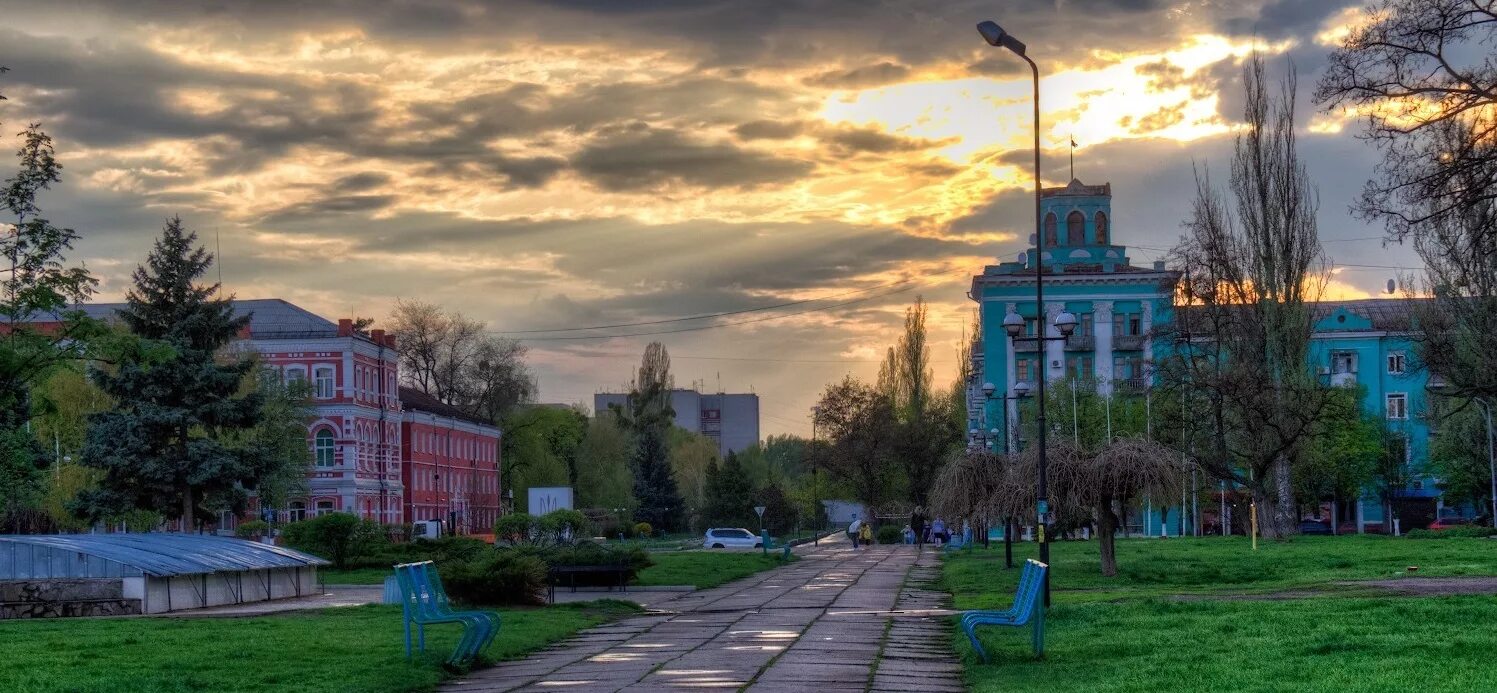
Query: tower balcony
x,y
1127,342
1081,342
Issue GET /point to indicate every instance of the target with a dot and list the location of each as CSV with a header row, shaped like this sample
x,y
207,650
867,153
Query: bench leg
x,y
977,646
1039,630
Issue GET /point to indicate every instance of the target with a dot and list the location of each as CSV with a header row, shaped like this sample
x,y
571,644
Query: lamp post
x,y
815,480
996,36
1011,444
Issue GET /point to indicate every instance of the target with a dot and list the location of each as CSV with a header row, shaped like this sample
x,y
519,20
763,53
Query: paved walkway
x,y
837,620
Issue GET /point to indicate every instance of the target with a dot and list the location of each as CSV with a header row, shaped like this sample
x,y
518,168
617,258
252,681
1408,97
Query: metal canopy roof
x,y
164,555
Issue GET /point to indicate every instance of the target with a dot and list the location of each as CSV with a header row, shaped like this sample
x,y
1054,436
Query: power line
x,y
704,315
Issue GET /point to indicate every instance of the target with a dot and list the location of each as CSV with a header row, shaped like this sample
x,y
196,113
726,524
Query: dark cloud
x,y
649,158
860,77
857,140
1165,117
769,129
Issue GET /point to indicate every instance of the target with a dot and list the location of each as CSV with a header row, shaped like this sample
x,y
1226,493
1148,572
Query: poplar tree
x,y
168,445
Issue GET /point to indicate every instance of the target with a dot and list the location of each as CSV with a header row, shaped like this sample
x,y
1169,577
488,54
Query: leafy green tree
x,y
690,455
1343,454
540,447
781,514
730,495
37,283
1458,455
278,438
339,537
165,447
603,476
860,426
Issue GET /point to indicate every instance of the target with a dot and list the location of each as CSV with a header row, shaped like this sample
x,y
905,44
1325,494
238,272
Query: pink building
x,y
359,458
451,470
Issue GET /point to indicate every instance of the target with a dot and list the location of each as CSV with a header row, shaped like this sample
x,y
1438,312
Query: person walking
x,y
917,524
865,533
938,531
855,530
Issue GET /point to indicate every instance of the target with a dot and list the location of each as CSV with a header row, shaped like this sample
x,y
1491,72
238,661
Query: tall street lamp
x,y
996,36
815,480
1011,445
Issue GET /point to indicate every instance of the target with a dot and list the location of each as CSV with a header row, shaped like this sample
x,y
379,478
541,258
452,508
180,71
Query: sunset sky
x,y
597,162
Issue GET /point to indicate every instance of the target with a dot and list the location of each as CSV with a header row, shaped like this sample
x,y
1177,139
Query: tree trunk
x,y
1286,515
1106,533
187,523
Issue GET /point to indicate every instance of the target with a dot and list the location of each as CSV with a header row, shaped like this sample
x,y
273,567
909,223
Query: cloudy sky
x,y
598,162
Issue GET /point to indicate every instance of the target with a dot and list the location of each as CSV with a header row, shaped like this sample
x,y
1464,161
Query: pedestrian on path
x,y
865,533
917,523
938,531
854,530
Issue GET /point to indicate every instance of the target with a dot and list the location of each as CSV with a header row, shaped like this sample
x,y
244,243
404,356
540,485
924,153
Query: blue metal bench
x,y
424,602
1025,610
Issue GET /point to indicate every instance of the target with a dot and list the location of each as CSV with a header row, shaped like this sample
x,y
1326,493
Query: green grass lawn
x,y
347,649
1215,565
355,576
704,569
1129,633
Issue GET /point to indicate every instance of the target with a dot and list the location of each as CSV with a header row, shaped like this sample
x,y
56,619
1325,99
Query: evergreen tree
x,y
164,447
730,495
659,501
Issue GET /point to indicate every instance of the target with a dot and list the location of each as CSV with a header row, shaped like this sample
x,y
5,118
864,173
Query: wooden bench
x,y
1025,610
618,572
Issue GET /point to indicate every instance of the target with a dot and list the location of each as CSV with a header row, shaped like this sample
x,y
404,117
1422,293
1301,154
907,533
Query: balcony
x,y
1127,342
1080,342
1026,345
1346,379
1127,385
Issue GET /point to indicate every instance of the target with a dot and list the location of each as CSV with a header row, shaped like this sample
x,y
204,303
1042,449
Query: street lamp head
x,y
1021,389
972,432
994,432
1013,324
1065,323
996,36
988,388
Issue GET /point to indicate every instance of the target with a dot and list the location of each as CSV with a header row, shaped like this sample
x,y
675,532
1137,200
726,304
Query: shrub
x,y
338,537
253,528
563,526
515,528
496,578
633,558
889,534
643,530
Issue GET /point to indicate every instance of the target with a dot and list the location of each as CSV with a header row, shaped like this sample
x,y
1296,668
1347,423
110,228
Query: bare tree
x,y
1422,74
451,357
1253,271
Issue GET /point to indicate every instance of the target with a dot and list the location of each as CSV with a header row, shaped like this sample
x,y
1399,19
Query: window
x,y
1344,362
296,512
1127,368
1127,324
1023,371
1079,367
324,448
1084,328
323,376
1395,363
296,374
1398,406
1101,222
324,507
1075,228
1051,237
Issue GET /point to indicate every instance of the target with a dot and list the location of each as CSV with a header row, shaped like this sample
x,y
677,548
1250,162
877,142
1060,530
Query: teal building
x,y
1119,304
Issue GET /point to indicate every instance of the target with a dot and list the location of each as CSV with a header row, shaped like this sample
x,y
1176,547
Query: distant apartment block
x,y
730,419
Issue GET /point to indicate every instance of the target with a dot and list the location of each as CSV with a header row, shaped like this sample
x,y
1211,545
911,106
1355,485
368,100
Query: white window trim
x,y
332,378
1388,400
1402,359
296,372
316,452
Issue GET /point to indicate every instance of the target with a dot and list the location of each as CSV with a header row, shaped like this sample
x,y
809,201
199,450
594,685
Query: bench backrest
x,y
416,593
1029,591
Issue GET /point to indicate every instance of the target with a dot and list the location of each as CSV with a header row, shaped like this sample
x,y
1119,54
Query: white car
x,y
730,538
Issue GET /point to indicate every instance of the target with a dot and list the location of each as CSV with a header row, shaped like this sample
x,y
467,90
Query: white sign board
x,y
544,499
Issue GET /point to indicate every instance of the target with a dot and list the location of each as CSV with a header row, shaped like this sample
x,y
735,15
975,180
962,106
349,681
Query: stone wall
x,y
64,597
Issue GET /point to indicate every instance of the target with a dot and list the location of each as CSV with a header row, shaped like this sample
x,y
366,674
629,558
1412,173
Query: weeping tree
x,y
1124,469
1086,486
966,486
